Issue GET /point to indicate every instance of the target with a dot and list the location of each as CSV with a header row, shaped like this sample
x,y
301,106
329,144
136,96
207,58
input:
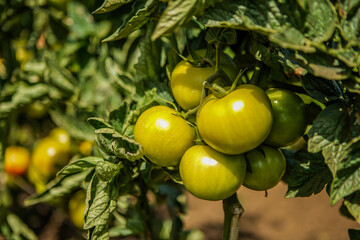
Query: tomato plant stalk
x,y
233,211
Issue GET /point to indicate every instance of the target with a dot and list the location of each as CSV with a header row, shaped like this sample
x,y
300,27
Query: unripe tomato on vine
x,y
62,136
187,80
85,147
77,208
163,135
267,166
211,175
289,114
17,160
49,156
237,122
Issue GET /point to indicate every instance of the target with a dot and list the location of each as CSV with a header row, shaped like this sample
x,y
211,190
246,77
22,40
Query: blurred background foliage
x,y
56,72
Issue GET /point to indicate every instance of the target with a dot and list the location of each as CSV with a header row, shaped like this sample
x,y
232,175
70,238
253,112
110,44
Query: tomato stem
x,y
233,211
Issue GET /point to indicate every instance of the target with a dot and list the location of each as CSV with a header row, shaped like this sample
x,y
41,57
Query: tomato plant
x,y
211,175
238,122
289,114
16,160
266,168
100,86
163,135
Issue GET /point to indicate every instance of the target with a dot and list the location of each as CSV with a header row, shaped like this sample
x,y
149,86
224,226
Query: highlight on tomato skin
x,y
49,156
17,160
238,122
266,167
163,135
210,175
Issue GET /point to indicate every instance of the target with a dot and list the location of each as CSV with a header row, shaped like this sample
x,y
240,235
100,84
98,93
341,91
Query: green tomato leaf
x,y
118,117
330,131
352,202
104,143
82,21
139,16
124,147
349,20
106,170
98,123
19,228
101,198
278,59
123,82
222,35
315,22
110,5
347,179
58,187
80,165
100,232
178,12
309,176
24,95
322,64
76,125
321,89
148,66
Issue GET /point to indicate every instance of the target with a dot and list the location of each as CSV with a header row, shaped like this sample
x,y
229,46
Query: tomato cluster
x,y
242,131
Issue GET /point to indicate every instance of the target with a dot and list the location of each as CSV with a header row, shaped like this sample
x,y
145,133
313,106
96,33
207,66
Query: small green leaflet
x,y
101,199
24,95
139,16
58,187
330,131
352,203
309,176
347,179
178,12
272,17
19,228
110,5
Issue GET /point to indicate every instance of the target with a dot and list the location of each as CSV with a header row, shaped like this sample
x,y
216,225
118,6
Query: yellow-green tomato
x,y
186,83
49,156
163,135
77,208
267,166
187,80
289,114
236,123
62,136
211,175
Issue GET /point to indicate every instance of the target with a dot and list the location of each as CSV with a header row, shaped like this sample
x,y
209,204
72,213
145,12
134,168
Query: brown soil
x,y
273,217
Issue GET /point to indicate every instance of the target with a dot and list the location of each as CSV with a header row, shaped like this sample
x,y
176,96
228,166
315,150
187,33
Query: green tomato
x,y
236,123
211,175
289,113
267,166
164,136
36,110
187,80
